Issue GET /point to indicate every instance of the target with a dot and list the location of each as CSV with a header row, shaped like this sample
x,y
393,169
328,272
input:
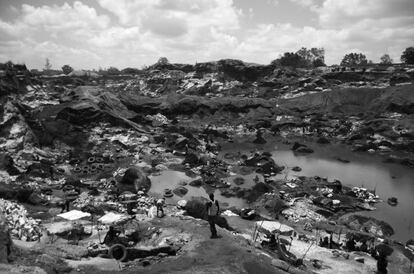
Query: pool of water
x,y
172,179
363,170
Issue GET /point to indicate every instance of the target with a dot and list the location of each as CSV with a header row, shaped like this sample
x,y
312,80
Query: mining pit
x,y
312,170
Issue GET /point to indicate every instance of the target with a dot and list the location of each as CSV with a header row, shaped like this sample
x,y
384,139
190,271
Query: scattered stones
x,y
392,201
22,227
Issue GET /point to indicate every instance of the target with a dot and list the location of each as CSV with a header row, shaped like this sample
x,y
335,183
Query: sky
x,y
94,34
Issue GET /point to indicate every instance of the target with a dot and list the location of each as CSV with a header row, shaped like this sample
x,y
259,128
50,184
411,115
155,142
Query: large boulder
x,y
134,180
241,71
196,207
90,104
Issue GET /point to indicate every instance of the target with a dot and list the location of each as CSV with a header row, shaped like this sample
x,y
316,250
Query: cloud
x,y
340,13
114,36
131,33
273,2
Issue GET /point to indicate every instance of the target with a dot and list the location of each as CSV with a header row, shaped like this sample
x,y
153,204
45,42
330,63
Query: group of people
x,y
350,245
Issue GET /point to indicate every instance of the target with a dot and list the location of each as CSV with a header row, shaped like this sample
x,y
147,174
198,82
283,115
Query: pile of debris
x,y
158,120
365,195
22,227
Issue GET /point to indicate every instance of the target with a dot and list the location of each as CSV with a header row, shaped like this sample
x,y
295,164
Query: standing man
x,y
213,209
160,207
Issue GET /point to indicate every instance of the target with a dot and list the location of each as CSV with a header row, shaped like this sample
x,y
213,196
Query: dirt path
x,y
229,254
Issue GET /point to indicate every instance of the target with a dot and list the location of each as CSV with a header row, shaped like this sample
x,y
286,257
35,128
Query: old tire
x,y
118,252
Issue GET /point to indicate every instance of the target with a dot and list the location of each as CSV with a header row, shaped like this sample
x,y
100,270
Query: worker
x,y
160,207
111,236
213,210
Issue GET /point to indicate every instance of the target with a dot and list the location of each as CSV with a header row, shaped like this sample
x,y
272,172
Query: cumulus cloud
x,y
131,33
338,13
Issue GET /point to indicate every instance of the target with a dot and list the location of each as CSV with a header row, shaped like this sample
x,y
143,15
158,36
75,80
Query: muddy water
x,y
363,170
172,179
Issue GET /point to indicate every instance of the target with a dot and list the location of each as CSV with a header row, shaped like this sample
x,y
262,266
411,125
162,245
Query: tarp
x,y
274,226
74,215
112,218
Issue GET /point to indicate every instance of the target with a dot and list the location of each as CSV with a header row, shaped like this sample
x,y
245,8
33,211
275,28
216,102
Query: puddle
x,y
171,179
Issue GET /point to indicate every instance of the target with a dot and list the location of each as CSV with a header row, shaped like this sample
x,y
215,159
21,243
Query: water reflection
x,y
367,171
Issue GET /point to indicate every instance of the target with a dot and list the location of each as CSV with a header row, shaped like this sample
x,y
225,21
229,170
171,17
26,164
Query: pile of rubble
x,y
22,227
365,195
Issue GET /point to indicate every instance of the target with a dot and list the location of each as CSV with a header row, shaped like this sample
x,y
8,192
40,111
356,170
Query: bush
x,y
408,56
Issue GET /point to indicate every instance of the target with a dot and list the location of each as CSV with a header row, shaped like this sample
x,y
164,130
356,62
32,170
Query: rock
x,y
5,239
258,190
301,148
392,201
196,207
323,140
59,228
345,161
134,180
304,150
248,213
7,164
46,259
22,227
241,71
360,259
18,269
239,180
192,159
35,199
296,168
367,224
264,163
180,191
196,183
181,204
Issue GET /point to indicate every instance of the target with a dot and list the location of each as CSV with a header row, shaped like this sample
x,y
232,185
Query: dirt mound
x,y
355,100
180,104
367,224
134,180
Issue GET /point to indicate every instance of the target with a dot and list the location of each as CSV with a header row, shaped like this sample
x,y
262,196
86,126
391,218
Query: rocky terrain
x,y
102,146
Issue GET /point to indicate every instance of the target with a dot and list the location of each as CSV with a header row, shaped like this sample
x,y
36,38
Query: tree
x,y
163,61
48,66
354,59
290,59
35,72
303,58
130,71
314,57
408,56
318,63
386,59
67,69
113,71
